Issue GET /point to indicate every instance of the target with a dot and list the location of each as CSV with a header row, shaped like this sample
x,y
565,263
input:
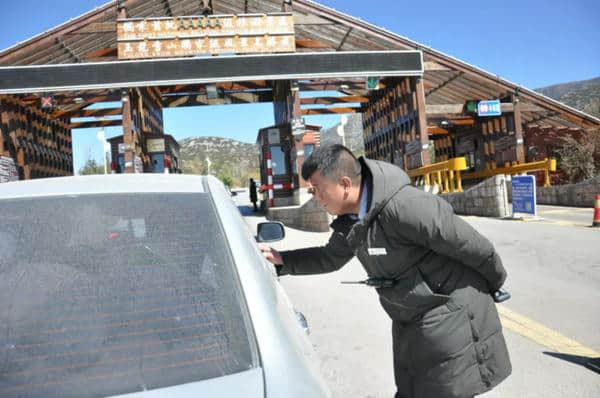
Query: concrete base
x,y
488,199
308,216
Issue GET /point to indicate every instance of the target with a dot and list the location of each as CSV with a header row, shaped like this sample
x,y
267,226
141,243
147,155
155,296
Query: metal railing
x,y
546,165
445,176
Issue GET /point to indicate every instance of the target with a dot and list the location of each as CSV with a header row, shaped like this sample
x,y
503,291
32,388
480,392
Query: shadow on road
x,y
248,211
590,363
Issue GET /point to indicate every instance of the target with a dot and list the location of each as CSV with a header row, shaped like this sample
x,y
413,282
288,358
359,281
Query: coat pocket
x,y
442,345
410,297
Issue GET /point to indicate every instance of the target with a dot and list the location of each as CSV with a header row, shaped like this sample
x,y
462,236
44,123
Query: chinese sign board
x,y
489,108
155,145
523,194
197,35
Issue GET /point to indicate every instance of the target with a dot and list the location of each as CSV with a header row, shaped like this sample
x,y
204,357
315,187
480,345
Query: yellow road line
x,y
543,335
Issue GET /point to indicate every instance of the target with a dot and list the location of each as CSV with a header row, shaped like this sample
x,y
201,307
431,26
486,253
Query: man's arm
x,y
430,221
312,260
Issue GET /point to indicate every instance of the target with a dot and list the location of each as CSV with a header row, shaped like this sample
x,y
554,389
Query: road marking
x,y
542,335
570,210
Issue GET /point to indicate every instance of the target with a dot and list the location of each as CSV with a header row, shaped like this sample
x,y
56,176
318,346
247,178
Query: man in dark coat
x,y
434,273
253,196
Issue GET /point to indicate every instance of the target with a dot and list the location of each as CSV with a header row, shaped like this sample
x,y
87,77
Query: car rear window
x,y
110,294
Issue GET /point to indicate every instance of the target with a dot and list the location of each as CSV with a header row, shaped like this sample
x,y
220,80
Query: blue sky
x,y
535,43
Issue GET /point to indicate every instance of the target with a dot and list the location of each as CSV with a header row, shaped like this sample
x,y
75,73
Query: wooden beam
x,y
333,100
339,47
435,130
68,49
103,52
201,88
419,90
448,81
433,66
310,19
309,43
231,98
331,86
129,136
463,122
98,123
69,99
452,120
448,109
98,112
240,86
329,111
519,146
96,27
77,107
444,109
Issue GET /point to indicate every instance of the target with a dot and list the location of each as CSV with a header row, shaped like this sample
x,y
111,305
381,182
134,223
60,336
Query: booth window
x,y
278,162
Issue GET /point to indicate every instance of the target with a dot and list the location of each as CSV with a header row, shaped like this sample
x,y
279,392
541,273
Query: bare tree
x,y
580,156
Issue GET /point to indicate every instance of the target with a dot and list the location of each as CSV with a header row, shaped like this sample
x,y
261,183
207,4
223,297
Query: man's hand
x,y
271,254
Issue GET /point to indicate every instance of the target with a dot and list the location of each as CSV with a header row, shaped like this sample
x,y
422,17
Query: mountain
x,y
583,95
228,158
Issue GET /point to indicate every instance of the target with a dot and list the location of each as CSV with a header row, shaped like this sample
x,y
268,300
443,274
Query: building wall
x,y
39,145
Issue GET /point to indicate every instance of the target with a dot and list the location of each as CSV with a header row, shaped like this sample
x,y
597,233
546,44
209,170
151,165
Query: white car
x,y
142,285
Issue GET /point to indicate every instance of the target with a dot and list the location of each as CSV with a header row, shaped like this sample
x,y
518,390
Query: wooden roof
x,y
448,81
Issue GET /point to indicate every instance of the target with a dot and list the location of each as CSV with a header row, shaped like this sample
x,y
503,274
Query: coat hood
x,y
384,180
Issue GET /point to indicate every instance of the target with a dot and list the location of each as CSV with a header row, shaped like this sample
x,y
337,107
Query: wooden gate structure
x,y
419,105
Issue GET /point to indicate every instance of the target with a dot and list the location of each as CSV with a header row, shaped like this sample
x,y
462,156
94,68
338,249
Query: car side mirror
x,y
271,231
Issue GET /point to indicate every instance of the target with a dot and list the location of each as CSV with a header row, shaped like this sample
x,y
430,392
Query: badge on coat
x,y
377,251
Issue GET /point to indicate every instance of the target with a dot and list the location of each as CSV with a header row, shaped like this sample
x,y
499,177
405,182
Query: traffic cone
x,y
596,222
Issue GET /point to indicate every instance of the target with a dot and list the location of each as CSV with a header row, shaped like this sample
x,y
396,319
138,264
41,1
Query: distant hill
x,y
583,95
238,160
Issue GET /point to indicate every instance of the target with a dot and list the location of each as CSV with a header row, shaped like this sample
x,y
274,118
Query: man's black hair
x,y
333,162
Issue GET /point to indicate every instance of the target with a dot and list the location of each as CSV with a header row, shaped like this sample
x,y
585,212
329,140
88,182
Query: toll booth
x,y
309,141
278,166
160,154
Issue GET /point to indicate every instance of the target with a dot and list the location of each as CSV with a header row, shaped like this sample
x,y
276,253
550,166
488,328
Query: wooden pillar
x,y
128,139
3,128
422,120
519,145
286,102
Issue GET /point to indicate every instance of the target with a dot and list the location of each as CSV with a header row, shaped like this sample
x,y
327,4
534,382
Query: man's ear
x,y
346,182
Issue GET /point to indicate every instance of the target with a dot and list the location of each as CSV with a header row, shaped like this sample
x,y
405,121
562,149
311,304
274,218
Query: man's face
x,y
330,194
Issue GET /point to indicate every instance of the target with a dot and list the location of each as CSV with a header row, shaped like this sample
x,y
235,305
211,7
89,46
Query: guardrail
x,y
443,175
546,166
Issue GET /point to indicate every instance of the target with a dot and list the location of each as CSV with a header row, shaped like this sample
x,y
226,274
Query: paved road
x,y
551,321
575,216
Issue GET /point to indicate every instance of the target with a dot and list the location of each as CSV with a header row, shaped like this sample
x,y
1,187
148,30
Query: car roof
x,y
106,184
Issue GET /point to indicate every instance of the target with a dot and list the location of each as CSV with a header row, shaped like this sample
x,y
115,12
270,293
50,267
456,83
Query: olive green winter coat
x,y
448,339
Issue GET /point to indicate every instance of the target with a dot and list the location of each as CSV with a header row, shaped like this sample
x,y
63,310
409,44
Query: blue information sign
x,y
489,108
523,194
